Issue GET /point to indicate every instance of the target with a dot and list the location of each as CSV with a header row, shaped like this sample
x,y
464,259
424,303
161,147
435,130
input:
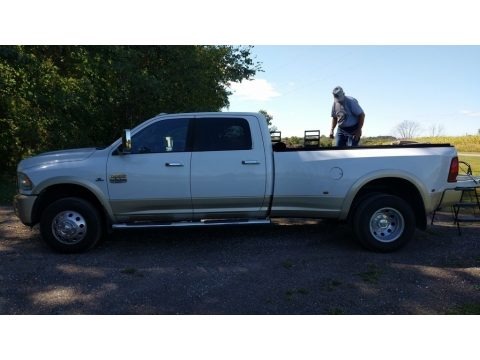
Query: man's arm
x,y
334,124
361,120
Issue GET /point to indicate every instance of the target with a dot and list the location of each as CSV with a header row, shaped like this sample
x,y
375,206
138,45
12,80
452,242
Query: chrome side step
x,y
205,222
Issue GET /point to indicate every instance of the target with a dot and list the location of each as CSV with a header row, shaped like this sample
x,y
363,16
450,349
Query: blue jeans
x,y
343,138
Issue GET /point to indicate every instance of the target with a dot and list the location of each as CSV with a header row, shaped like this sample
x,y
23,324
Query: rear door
x,y
228,169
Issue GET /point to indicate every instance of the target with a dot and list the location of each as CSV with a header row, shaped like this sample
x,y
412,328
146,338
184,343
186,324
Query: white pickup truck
x,y
219,168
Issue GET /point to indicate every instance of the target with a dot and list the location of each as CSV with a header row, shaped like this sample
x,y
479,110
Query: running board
x,y
206,222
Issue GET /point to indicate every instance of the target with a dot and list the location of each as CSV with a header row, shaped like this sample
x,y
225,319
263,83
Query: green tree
x,y
293,141
269,119
70,96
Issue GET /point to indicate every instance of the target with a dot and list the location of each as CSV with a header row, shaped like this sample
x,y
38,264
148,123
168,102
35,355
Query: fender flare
x,y
378,175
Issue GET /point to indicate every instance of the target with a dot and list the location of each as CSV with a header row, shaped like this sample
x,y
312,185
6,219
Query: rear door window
x,y
221,134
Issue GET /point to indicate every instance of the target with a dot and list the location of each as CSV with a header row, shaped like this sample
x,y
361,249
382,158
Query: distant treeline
x,y
54,97
325,141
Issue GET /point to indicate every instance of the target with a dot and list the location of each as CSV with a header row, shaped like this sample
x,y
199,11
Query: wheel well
x,y
59,191
398,187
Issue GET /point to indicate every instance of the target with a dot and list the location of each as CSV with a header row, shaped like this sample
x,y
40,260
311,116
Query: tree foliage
x,y
378,140
55,97
293,141
269,119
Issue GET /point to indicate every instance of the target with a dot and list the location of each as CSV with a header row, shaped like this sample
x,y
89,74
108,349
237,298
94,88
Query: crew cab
x,y
204,169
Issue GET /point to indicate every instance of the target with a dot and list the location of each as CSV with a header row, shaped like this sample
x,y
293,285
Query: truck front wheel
x,y
71,225
384,222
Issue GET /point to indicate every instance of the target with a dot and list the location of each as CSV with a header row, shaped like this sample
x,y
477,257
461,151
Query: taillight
x,y
453,172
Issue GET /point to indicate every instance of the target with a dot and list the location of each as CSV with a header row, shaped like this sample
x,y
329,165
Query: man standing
x,y
349,116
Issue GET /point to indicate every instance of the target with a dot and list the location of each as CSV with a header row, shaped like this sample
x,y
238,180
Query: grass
x,y
8,187
289,294
474,162
467,309
335,311
332,284
372,275
468,143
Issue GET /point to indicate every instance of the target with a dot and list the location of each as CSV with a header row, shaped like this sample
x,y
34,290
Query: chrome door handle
x,y
173,164
250,162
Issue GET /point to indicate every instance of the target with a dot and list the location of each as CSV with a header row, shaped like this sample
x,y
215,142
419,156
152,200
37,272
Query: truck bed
x,y
277,147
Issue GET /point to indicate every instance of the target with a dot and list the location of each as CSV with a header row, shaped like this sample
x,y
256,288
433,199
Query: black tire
x,y
71,225
383,222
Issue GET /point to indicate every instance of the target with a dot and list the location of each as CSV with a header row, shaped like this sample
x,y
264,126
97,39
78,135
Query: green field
x,y
468,143
474,162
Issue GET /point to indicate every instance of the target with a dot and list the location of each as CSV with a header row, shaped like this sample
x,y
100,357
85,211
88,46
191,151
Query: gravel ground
x,y
291,267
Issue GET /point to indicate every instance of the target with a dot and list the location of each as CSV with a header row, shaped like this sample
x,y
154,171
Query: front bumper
x,y
23,206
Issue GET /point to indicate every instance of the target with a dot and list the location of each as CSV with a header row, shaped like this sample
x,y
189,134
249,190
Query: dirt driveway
x,y
291,267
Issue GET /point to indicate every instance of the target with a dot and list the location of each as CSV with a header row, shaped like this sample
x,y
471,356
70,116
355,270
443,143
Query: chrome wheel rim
x,y
69,227
387,225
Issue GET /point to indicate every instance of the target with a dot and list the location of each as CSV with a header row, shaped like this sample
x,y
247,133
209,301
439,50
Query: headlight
x,y
24,182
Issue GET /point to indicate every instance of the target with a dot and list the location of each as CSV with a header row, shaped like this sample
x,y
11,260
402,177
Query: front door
x,y
152,183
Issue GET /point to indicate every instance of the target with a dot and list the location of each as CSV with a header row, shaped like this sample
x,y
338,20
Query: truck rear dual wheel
x,y
71,225
384,222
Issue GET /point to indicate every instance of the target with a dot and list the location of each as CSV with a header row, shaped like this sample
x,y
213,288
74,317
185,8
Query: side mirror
x,y
126,141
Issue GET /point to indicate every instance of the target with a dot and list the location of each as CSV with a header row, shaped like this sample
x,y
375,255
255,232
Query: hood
x,y
55,157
